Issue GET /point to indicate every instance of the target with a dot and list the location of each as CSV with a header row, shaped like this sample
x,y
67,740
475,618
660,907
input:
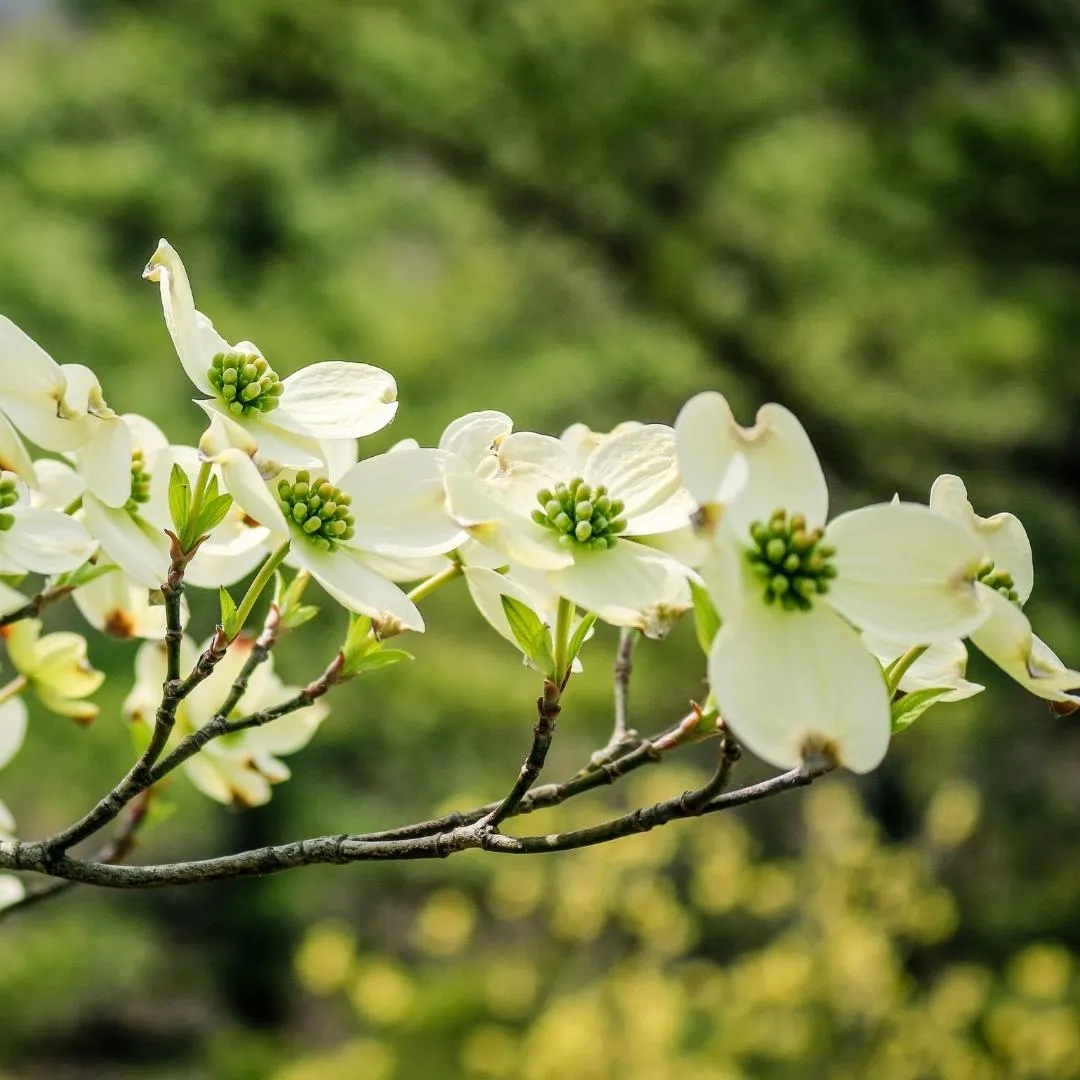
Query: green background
x,y
576,211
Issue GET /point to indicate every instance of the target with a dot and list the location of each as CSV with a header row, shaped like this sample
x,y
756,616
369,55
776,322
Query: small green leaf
x,y
83,575
706,618
179,498
530,633
577,639
297,616
213,514
230,621
380,658
907,709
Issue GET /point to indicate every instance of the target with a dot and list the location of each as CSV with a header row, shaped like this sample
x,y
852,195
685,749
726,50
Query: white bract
x,y
36,539
939,667
286,417
583,522
238,768
788,670
1003,585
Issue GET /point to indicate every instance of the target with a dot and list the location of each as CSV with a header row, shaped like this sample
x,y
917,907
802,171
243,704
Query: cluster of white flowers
x,y
823,637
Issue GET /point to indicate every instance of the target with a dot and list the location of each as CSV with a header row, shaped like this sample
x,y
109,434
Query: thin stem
x,y
623,666
16,686
262,579
36,605
138,777
564,618
547,709
900,666
436,581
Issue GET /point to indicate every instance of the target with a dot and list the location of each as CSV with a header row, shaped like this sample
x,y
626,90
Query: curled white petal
x,y
783,471
194,336
792,683
905,573
45,541
399,504
627,585
356,586
1007,639
271,445
476,436
941,666
137,548
337,399
638,466
1006,540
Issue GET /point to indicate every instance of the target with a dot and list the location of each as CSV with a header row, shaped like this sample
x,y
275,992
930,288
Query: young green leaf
x,y
213,513
577,639
530,633
179,498
230,621
380,658
908,708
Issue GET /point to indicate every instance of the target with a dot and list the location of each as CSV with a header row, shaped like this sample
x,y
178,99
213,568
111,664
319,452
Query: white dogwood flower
x,y
286,417
788,669
1004,583
581,522
387,507
36,539
237,768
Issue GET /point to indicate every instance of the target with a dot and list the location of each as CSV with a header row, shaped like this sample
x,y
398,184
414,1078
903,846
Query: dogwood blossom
x,y
582,522
286,417
1004,582
400,514
238,768
787,669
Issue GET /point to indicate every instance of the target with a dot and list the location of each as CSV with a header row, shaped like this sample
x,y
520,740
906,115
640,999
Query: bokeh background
x,y
577,211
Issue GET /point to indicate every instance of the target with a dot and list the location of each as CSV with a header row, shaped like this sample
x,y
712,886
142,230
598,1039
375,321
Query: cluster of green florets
x,y
140,482
791,560
8,497
246,382
583,516
999,580
318,509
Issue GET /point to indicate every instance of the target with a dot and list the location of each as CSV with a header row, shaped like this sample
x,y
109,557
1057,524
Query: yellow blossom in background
x,y
55,667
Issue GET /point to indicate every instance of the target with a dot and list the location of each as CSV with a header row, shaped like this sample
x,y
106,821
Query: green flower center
x,y
317,509
140,482
791,561
8,497
583,516
999,580
246,382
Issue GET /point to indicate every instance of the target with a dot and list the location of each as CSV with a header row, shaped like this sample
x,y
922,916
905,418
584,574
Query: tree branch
x,y
18,855
36,605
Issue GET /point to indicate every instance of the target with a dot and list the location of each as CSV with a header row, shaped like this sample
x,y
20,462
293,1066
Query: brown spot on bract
x,y
119,624
250,522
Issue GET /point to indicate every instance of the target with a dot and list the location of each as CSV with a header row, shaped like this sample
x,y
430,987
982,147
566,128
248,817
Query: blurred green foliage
x,y
579,211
